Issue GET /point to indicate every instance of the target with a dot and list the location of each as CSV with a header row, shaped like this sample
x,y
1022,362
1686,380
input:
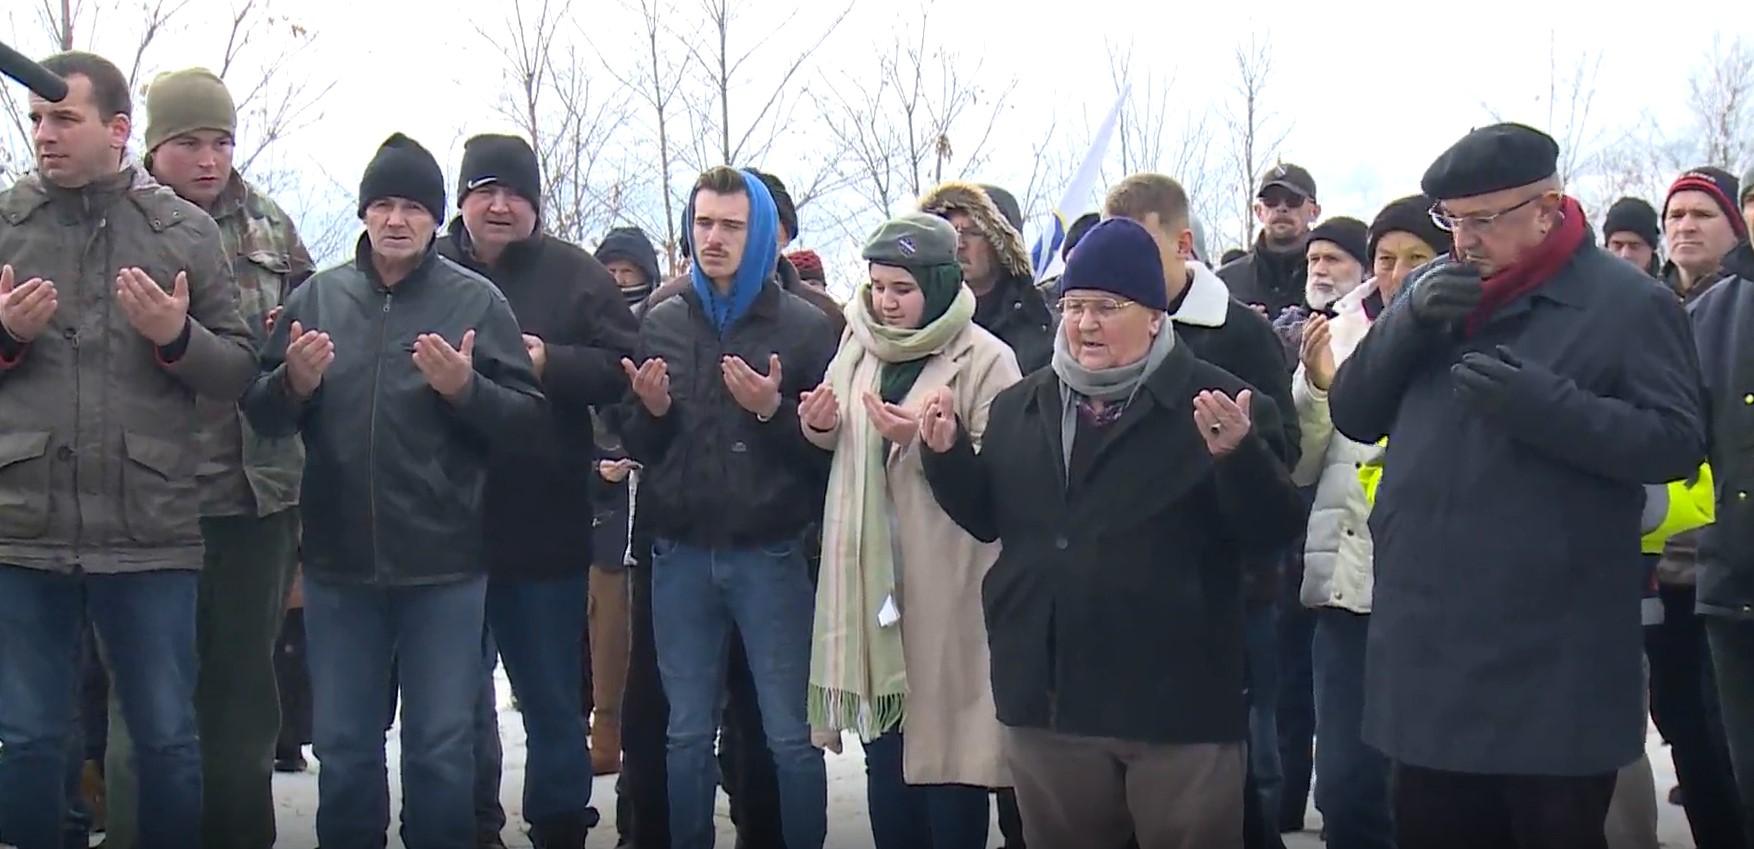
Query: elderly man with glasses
x,y
1503,664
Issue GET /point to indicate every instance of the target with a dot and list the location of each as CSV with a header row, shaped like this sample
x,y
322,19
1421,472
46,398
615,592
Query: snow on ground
x,y
849,823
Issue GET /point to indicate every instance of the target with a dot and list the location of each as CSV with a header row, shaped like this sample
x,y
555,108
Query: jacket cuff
x,y
11,350
170,354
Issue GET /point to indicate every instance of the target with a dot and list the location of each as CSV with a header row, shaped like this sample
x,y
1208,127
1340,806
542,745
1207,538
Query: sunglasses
x,y
1289,200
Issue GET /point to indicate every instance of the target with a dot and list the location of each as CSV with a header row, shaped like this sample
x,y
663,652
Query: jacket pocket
x,y
24,484
158,491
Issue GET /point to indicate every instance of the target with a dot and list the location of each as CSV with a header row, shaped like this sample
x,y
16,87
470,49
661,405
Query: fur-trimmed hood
x,y
969,198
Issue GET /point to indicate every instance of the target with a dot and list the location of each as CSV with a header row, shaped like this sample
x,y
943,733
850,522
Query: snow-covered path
x,y
849,824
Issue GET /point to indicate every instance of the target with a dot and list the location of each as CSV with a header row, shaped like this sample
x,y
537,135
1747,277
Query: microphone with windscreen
x,y
46,84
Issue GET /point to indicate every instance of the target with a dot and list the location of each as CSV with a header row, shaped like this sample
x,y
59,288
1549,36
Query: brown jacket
x,y
97,431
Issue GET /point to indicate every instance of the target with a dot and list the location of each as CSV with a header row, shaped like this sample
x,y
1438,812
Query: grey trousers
x,y
1078,792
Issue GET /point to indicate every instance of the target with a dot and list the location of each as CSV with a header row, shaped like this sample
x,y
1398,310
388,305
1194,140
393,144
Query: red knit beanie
x,y
809,265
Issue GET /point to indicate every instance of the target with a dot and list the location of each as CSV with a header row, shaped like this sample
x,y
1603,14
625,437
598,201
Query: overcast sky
x,y
1366,93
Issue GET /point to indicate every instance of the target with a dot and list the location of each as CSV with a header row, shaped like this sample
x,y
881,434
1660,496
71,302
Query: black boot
x,y
565,832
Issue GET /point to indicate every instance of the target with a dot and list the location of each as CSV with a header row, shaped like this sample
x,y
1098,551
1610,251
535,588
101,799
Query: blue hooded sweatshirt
x,y
760,257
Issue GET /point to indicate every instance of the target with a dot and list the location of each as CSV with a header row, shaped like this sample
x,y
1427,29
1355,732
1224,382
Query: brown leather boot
x,y
605,744
91,786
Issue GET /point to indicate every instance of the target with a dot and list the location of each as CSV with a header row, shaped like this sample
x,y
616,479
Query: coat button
x,y
1061,543
739,448
69,332
64,453
1339,596
1748,399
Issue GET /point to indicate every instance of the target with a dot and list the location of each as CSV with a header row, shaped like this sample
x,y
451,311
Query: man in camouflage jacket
x,y
249,484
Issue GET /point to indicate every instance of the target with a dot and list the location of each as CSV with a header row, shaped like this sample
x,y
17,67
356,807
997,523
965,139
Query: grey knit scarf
x,y
1109,385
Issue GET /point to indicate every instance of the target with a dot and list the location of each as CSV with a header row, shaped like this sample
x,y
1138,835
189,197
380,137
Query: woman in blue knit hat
x,y
1125,483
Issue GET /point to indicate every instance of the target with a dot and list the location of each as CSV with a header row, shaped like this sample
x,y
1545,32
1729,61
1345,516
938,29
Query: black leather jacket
x,y
394,473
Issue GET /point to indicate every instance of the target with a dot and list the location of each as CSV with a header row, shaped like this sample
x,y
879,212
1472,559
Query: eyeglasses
x,y
1289,200
1451,223
1102,309
970,235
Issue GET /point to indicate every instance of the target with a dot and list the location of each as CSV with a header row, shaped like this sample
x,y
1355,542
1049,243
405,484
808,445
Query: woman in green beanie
x,y
900,649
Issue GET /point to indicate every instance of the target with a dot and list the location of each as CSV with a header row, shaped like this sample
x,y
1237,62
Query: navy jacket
x,y
1506,635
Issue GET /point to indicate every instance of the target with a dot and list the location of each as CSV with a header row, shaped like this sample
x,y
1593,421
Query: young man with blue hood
x,y
730,487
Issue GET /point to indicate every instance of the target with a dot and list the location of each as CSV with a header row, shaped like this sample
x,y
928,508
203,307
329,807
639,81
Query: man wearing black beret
x,y
1503,668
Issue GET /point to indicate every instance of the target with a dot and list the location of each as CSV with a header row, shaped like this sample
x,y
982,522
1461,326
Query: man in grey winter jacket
x,y
118,310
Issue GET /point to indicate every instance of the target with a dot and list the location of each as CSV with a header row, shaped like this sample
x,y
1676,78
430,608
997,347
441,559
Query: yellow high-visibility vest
x,y
1692,505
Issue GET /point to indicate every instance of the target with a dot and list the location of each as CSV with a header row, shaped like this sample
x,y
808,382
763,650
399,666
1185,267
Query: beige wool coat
x,y
951,726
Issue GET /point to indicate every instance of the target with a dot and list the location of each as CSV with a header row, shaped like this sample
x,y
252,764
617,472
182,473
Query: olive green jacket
x,y
267,262
98,427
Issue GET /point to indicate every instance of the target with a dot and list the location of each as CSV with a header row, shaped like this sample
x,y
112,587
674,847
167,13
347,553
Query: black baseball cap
x,y
1288,176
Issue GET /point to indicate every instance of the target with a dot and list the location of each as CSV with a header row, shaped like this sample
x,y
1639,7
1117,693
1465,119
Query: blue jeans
x,y
698,594
920,816
539,627
433,634
1261,644
146,621
1352,779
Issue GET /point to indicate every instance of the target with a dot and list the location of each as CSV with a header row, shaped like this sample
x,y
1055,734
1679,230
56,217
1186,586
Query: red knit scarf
x,y
1535,269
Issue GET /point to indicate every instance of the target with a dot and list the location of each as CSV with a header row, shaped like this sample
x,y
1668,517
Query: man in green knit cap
x,y
249,484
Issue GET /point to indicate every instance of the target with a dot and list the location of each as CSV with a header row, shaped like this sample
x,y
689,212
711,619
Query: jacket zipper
x,y
372,438
78,391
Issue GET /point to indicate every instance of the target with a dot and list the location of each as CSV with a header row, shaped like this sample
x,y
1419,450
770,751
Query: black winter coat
x,y
1115,608
1015,312
1723,329
1505,635
539,491
714,475
395,475
1272,280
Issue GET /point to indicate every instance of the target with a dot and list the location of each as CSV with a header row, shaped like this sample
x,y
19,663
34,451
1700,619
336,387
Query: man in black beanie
x,y
1630,232
406,375
576,328
1506,530
1338,260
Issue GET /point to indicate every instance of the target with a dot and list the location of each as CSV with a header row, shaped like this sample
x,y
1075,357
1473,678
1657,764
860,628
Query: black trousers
x,y
1296,700
745,764
1684,705
1435,809
642,804
294,680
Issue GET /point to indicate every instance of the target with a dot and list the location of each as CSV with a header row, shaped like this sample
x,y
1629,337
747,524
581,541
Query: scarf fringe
x,y
844,710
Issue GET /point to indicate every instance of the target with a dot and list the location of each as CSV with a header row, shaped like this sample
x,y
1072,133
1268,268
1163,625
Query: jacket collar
x,y
1166,389
1740,261
518,255
1206,303
765,305
362,260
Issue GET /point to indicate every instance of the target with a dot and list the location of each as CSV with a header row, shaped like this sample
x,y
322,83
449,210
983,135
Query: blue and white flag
x,y
1079,196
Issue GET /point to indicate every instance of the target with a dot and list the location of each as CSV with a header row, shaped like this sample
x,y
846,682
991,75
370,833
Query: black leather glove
x,y
1499,381
1447,294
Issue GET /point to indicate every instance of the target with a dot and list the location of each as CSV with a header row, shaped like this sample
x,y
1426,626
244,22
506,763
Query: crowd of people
x,y
1434,512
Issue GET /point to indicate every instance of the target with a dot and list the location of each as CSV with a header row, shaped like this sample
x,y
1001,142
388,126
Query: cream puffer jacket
x,y
1337,555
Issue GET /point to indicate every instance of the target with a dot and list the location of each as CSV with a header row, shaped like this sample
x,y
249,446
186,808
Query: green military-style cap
x,y
913,240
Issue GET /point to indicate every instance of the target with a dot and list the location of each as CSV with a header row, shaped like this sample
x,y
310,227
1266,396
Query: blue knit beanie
x,y
1117,256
